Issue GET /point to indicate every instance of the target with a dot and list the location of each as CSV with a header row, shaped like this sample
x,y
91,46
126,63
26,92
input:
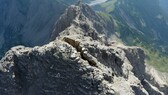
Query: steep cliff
x,y
79,61
27,22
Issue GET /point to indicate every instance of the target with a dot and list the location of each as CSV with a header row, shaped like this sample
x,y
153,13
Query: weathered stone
x,y
77,64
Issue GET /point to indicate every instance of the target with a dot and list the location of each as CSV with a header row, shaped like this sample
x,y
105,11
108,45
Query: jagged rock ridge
x,y
83,16
78,62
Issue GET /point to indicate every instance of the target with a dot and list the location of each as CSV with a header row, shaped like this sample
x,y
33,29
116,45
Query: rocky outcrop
x,y
62,67
77,62
83,16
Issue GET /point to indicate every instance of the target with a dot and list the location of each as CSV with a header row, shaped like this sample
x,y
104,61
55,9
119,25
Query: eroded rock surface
x,y
77,62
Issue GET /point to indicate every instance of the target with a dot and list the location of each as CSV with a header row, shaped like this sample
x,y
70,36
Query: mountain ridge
x,y
79,61
88,14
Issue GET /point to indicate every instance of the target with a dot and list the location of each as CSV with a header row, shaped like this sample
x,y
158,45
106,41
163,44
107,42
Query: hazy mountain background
x,y
27,22
164,5
140,22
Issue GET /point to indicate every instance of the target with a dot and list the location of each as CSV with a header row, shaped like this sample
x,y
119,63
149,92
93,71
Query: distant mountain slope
x,y
164,5
143,23
27,22
145,17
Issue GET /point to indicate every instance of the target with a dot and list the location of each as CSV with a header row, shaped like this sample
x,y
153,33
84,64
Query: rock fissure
x,y
77,62
83,51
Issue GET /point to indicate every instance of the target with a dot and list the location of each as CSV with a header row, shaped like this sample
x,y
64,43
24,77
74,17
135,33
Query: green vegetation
x,y
156,59
110,6
154,56
105,16
135,23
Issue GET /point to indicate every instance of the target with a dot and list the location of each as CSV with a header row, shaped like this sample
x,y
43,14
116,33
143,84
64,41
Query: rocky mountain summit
x,y
84,17
79,61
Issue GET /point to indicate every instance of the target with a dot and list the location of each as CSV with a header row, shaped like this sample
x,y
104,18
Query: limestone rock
x,y
77,62
82,16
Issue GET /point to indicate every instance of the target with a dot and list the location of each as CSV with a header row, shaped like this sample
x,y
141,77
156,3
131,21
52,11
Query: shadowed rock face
x,y
27,22
77,62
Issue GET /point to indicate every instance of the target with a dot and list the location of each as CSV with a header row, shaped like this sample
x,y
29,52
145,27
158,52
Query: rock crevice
x,y
77,62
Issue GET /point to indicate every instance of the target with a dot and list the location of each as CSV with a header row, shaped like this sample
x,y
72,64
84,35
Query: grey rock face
x,y
61,68
77,62
82,16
